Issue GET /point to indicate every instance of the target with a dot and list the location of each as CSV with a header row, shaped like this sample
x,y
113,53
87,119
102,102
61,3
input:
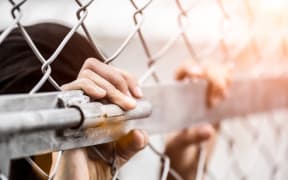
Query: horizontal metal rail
x,y
36,124
87,115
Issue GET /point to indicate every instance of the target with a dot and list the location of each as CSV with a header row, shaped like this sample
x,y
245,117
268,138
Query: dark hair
x,y
21,70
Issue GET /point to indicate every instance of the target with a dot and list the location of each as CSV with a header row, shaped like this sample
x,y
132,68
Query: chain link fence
x,y
252,35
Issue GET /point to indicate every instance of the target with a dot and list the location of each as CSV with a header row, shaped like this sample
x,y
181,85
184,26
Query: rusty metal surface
x,y
175,106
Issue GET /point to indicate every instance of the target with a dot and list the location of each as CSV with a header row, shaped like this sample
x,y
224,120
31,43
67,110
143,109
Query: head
x,y
20,68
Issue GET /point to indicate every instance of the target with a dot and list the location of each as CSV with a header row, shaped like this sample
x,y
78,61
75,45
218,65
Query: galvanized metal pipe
x,y
93,114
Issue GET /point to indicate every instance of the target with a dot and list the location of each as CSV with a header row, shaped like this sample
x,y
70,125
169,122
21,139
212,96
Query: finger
x,y
217,90
129,145
114,95
181,73
195,135
132,84
219,87
189,71
222,90
108,73
88,86
124,101
215,95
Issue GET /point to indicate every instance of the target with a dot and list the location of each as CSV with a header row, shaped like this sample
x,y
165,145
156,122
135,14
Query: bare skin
x,y
183,147
80,164
99,81
217,75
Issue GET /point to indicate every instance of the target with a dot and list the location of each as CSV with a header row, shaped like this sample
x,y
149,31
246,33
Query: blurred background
x,y
250,34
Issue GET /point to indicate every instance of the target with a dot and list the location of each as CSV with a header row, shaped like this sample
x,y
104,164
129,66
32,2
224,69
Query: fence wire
x,y
252,147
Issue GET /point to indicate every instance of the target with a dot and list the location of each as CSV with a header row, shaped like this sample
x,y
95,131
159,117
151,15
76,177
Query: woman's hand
x,y
99,81
217,75
183,147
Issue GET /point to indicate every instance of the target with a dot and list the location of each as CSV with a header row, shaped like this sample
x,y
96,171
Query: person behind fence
x,y
77,67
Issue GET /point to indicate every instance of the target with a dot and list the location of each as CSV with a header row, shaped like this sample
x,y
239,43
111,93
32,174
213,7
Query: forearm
x,y
75,165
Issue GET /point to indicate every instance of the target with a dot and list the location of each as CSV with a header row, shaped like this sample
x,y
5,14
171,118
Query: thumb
x,y
196,135
192,136
129,145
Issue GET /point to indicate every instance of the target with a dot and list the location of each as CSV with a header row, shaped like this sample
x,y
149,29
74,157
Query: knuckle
x,y
85,73
118,81
128,76
107,86
83,81
89,62
131,78
112,92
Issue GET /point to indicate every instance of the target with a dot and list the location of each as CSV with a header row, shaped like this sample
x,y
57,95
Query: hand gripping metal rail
x,y
42,121
46,122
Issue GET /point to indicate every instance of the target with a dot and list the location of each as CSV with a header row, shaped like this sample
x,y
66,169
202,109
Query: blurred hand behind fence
x,y
183,147
217,75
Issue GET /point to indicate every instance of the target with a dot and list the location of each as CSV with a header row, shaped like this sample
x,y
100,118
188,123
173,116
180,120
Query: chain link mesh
x,y
251,147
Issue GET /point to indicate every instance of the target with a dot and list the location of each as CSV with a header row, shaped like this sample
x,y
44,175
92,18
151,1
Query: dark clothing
x,y
21,70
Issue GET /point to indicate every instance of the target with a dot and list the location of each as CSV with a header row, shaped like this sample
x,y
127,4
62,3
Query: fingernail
x,y
101,91
139,92
130,101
